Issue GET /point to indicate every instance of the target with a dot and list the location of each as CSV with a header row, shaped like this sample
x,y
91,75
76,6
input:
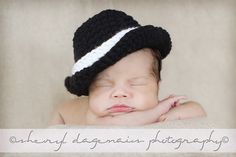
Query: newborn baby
x,y
117,67
127,94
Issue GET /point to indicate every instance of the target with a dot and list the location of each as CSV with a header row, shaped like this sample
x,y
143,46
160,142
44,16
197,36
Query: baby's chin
x,y
105,114
118,113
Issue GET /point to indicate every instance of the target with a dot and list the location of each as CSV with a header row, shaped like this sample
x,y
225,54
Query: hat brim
x,y
143,37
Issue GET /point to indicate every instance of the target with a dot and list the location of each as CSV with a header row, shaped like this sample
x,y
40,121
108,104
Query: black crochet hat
x,y
106,38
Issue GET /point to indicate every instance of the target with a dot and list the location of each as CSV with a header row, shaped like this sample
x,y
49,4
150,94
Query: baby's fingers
x,y
174,105
178,103
173,100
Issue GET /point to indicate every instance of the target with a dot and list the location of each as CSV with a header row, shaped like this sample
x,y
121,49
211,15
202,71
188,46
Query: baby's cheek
x,y
146,101
97,105
97,109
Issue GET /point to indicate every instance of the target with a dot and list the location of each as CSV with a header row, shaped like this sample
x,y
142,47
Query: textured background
x,y
36,53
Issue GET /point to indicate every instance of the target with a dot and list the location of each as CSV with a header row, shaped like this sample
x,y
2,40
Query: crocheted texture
x,y
101,28
98,29
94,55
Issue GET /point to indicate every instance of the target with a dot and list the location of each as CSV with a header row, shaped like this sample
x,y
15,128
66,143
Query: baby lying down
x,y
120,77
127,97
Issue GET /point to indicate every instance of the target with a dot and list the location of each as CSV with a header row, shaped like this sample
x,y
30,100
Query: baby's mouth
x,y
120,108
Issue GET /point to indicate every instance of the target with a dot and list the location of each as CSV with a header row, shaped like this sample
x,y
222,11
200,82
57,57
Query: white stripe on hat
x,y
94,55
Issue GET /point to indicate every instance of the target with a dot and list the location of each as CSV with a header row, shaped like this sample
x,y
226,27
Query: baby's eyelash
x,y
138,83
103,84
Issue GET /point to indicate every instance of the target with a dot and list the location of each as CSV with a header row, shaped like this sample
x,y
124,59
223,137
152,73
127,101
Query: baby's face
x,y
129,85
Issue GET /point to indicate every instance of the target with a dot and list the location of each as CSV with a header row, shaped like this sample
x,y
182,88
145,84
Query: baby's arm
x,y
184,111
140,117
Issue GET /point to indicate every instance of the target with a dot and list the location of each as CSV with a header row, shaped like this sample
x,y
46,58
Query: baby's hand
x,y
184,111
168,103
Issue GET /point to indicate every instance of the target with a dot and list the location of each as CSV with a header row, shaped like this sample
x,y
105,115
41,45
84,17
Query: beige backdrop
x,y
36,53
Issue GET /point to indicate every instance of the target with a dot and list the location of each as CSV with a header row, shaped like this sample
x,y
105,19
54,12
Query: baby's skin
x,y
76,112
139,117
131,83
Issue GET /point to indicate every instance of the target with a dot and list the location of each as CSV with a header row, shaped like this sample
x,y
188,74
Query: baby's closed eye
x,y
103,83
139,82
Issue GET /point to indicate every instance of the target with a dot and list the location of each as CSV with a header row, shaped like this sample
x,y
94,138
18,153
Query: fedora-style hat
x,y
106,38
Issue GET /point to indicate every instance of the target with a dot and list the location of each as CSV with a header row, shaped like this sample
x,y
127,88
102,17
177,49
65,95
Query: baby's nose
x,y
121,93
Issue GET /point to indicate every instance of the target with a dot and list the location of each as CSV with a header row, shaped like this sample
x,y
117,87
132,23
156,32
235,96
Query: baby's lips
x,y
120,108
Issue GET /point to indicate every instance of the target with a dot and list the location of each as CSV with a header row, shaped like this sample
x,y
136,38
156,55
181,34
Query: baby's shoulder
x,y
73,105
71,111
